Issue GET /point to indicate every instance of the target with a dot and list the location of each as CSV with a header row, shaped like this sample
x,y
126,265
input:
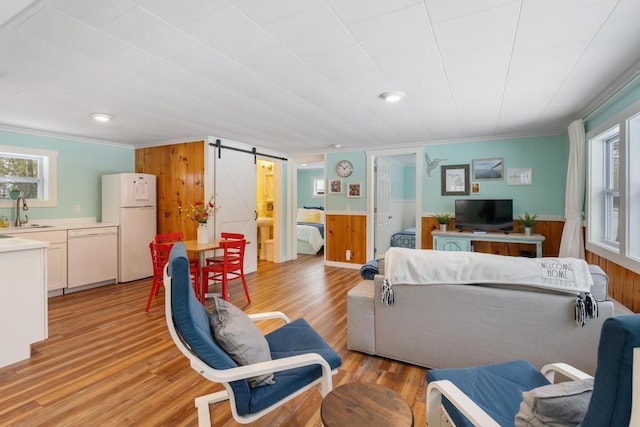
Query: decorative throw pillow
x,y
561,404
240,338
312,216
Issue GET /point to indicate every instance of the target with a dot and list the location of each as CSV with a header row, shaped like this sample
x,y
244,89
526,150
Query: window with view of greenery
x,y
31,171
23,173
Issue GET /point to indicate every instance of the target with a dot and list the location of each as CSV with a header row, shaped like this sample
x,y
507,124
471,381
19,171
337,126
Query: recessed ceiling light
x,y
392,96
336,145
101,117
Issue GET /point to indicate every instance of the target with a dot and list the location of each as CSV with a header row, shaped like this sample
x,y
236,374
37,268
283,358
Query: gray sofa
x,y
443,326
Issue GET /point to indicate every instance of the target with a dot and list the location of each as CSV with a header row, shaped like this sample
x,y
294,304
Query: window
x,y
31,171
613,190
318,187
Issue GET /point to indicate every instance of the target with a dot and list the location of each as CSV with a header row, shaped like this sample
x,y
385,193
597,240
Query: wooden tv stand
x,y
461,240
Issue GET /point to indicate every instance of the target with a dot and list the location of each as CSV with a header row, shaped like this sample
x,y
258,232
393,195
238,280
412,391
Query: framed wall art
x,y
519,176
488,169
335,186
353,189
455,180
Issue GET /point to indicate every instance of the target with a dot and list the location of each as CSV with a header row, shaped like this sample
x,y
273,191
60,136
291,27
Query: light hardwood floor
x,y
109,363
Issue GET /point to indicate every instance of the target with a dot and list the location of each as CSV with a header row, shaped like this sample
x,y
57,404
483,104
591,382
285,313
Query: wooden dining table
x,y
201,249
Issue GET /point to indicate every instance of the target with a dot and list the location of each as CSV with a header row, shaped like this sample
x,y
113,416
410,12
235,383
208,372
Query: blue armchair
x,y
301,359
492,395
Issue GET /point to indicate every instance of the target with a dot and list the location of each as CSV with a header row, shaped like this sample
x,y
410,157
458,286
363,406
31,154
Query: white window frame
x,y
625,252
315,181
610,192
48,197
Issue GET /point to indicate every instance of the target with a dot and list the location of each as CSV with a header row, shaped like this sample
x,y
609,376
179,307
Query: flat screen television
x,y
491,214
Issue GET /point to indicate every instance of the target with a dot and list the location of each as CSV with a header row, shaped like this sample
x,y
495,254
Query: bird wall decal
x,y
432,164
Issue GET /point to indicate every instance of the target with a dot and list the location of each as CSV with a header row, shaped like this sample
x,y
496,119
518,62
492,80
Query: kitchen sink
x,y
36,226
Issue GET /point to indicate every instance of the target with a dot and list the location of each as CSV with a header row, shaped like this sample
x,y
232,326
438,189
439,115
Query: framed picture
x,y
475,188
455,180
353,189
488,169
335,186
519,176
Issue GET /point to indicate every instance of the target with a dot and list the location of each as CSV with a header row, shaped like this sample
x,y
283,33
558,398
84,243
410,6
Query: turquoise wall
x,y
403,181
340,202
305,187
627,97
547,156
80,168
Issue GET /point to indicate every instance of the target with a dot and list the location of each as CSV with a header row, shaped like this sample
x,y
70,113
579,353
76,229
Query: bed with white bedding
x,y
310,231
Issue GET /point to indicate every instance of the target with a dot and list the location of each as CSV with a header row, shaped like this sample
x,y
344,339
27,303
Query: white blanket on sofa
x,y
424,267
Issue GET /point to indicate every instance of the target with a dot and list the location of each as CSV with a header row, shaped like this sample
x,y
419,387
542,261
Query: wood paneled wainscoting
x,y
179,169
551,230
344,232
624,284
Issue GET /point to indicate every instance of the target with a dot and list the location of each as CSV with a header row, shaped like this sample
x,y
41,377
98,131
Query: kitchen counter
x,y
50,225
23,297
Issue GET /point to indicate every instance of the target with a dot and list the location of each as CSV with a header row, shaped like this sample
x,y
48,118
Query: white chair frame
x,y
437,416
225,376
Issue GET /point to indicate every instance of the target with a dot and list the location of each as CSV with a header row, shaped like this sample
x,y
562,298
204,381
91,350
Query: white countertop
x,y
35,225
12,244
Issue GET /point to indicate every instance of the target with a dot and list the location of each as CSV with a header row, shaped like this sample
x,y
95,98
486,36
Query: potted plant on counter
x,y
443,219
528,221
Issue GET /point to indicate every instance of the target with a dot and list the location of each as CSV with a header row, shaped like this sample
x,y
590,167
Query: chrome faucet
x,y
19,220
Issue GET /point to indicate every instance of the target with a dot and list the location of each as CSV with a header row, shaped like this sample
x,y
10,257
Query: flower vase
x,y
443,227
527,231
203,233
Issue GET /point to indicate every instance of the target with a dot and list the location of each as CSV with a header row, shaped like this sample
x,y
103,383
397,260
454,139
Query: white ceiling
x,y
300,75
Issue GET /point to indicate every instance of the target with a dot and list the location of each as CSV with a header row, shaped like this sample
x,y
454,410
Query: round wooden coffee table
x,y
364,404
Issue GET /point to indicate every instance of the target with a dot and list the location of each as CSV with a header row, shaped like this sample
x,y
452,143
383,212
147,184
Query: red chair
x,y
225,236
159,258
160,249
232,267
194,264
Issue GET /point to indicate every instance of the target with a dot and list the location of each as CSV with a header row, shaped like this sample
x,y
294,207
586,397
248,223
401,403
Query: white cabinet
x,y
23,298
56,255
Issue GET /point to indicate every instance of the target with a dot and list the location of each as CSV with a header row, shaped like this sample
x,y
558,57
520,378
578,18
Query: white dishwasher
x,y
92,256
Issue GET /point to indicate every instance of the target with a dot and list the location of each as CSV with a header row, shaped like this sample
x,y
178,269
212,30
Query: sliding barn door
x,y
235,189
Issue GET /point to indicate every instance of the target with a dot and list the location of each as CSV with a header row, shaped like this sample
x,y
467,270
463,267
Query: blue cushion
x,y
294,338
191,319
611,400
497,389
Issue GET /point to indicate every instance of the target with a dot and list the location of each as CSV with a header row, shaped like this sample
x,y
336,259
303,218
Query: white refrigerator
x,y
129,200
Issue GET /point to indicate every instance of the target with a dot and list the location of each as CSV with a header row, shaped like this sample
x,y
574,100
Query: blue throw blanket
x,y
369,270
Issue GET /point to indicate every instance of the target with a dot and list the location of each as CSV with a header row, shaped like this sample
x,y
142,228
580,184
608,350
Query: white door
x,y
235,190
382,210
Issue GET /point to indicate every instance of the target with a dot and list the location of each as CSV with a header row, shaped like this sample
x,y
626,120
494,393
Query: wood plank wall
x,y
346,232
552,230
624,284
179,169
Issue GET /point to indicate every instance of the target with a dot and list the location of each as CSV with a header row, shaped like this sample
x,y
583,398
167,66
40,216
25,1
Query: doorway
x,y
395,212
265,207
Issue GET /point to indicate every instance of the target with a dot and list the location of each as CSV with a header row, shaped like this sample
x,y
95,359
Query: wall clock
x,y
344,168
